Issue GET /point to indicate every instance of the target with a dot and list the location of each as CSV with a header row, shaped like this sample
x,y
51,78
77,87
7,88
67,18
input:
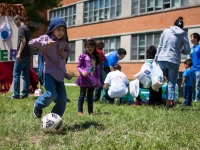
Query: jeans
x,y
21,68
83,91
55,91
98,90
170,71
196,91
187,90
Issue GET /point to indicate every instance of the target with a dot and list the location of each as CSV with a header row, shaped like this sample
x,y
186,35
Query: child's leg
x,y
50,95
81,98
98,90
90,92
189,95
60,102
186,92
107,97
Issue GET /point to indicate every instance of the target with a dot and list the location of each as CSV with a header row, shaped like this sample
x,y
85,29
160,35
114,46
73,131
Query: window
x,y
150,5
72,46
144,6
141,42
68,14
110,44
96,10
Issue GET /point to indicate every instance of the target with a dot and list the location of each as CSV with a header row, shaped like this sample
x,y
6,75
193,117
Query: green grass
x,y
111,127
73,80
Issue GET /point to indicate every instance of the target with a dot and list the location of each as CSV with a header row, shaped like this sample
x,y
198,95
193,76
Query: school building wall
x,y
126,26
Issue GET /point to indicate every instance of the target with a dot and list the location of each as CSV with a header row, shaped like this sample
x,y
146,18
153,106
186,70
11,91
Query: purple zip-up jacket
x,y
53,63
88,64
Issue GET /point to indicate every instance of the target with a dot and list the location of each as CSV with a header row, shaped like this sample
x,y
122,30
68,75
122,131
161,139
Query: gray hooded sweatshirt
x,y
173,42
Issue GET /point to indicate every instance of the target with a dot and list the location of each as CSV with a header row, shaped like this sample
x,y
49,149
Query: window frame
x,y
165,4
99,10
64,13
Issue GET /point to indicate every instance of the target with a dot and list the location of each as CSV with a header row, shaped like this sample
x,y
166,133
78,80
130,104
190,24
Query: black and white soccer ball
x,y
52,123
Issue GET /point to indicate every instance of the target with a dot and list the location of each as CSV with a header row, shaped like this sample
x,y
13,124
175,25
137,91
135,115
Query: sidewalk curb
x,y
70,84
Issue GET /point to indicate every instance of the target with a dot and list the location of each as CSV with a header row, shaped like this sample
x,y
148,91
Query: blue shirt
x,y
189,74
112,59
195,56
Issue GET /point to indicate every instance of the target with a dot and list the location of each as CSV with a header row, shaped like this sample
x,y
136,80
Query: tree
x,y
33,9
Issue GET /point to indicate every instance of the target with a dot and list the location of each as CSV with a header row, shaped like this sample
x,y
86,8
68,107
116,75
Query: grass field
x,y
111,127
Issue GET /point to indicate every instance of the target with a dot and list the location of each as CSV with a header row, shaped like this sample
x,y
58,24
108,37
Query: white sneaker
x,y
195,101
117,101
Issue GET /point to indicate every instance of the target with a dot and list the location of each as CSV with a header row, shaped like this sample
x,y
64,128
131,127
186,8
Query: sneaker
x,y
96,99
80,114
23,96
68,100
14,97
37,112
103,100
117,101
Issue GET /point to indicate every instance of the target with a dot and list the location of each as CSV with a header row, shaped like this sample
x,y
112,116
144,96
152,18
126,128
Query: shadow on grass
x,y
83,126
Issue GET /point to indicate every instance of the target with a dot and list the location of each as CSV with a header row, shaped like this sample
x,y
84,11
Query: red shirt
x,y
101,54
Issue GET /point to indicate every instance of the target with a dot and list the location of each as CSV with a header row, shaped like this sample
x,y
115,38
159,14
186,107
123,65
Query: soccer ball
x,y
52,123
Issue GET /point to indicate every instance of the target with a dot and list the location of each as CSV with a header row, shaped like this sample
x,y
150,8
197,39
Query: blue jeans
x,y
83,91
21,68
170,71
55,91
98,90
196,91
187,90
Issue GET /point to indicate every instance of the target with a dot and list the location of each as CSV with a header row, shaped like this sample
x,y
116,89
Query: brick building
x,y
130,24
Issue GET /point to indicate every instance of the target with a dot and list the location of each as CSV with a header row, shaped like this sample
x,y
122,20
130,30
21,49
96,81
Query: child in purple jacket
x,y
89,77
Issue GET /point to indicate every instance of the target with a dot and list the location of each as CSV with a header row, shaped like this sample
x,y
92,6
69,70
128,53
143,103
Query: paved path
x,y
70,84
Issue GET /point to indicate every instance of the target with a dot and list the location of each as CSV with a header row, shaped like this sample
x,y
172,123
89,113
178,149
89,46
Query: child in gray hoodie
x,y
173,43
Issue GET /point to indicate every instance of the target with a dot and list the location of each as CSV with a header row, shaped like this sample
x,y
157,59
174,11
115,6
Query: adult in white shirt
x,y
115,84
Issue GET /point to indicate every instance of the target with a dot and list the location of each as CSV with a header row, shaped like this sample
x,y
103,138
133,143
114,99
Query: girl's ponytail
x,y
179,22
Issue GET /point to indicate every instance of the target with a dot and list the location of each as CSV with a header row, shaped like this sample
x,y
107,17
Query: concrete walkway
x,y
70,84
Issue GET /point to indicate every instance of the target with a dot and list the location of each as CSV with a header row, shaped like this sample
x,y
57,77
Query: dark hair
x,y
19,17
100,44
92,42
179,22
121,51
188,62
196,36
151,52
117,67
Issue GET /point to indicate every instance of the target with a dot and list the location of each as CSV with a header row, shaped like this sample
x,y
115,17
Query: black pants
x,y
83,91
155,98
98,90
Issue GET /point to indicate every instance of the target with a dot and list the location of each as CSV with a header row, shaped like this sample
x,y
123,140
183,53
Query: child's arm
x,y
81,60
107,82
67,51
183,81
42,42
106,85
64,53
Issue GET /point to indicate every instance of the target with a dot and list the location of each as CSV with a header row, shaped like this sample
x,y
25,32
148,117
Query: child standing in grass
x,y
55,50
100,46
88,79
187,82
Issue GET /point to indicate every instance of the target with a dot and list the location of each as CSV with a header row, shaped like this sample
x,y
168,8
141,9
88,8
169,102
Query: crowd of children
x,y
99,72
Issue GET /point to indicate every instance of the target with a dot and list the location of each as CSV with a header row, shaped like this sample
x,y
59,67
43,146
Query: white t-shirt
x,y
118,84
